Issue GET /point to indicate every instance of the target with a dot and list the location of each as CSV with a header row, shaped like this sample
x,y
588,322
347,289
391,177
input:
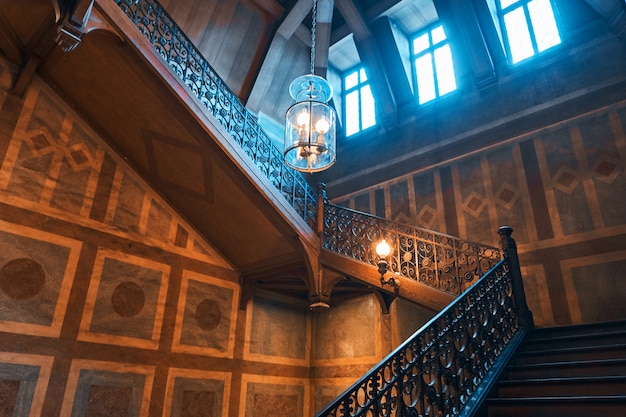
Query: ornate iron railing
x,y
193,69
434,259
436,371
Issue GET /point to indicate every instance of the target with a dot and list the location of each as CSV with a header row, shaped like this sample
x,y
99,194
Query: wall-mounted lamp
x,y
383,250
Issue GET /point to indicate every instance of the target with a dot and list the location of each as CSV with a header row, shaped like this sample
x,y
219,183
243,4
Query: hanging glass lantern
x,y
310,125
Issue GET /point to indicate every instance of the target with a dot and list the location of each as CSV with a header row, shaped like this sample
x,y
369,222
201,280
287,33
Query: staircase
x,y
564,371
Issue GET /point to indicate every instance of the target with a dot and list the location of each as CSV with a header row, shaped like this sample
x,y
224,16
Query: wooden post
x,y
509,251
321,202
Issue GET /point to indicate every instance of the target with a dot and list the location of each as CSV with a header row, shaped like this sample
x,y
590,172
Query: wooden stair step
x,y
563,387
577,329
611,351
608,367
613,405
573,340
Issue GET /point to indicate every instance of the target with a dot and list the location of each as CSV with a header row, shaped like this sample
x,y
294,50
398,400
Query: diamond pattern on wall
x,y
427,217
474,204
125,301
40,142
606,168
565,179
507,195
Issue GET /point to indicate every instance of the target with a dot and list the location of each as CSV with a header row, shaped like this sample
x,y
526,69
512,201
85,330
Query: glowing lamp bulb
x,y
303,119
383,249
322,126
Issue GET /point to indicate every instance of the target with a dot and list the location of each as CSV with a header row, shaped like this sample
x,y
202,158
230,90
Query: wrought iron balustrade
x,y
434,259
438,369
193,69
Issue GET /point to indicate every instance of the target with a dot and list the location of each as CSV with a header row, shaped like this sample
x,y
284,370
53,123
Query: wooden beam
x,y
271,7
322,41
291,26
371,58
295,17
11,44
461,22
614,13
354,18
393,63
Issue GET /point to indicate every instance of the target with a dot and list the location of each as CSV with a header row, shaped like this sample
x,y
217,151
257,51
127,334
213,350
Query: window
x,y
529,27
360,108
432,64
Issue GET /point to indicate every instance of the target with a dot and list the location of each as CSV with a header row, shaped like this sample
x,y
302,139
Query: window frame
x,y
431,49
358,89
501,12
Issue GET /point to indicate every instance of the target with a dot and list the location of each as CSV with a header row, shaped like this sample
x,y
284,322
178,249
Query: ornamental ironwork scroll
x,y
440,261
436,371
194,70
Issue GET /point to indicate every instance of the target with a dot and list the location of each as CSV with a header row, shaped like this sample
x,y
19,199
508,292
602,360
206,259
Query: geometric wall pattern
x,y
562,191
23,383
205,322
36,274
265,396
196,393
106,388
55,165
110,304
125,301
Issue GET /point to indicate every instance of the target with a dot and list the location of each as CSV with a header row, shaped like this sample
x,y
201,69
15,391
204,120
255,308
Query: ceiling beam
x,y
295,17
354,19
291,26
460,21
322,35
371,58
614,12
398,74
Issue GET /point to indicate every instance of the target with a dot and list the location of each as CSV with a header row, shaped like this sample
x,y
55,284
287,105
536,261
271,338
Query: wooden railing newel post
x,y
509,251
321,202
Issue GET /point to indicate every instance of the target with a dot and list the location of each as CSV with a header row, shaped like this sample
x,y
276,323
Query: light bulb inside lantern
x,y
322,126
303,120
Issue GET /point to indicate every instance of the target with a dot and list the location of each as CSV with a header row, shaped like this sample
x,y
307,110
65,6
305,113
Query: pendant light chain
x,y
313,28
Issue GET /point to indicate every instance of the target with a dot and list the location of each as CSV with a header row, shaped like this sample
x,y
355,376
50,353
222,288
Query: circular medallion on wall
x,y
22,278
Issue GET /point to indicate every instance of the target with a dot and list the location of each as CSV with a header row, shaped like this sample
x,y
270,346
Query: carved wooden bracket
x,y
75,22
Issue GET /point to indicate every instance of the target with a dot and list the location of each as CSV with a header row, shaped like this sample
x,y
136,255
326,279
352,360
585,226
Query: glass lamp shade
x,y
310,125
